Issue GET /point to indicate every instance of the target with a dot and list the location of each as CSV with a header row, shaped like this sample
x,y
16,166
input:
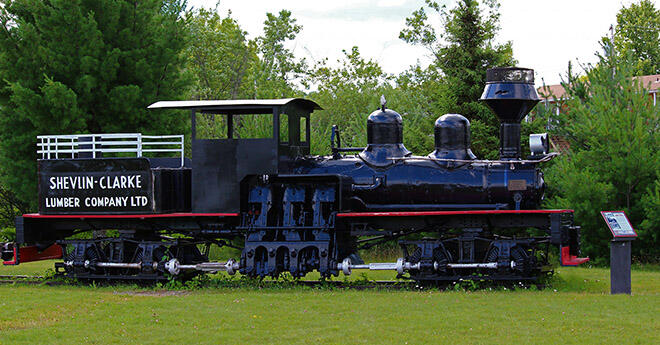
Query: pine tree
x,y
84,66
614,164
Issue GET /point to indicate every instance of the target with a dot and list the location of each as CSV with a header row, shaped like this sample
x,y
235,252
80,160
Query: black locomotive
x,y
455,216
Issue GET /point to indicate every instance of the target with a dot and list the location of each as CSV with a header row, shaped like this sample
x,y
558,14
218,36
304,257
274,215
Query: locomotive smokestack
x,y
510,93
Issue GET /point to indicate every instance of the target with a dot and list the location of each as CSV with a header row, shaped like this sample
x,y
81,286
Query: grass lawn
x,y
579,311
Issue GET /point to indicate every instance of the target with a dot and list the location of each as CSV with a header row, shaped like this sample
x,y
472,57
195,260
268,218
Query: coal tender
x,y
455,216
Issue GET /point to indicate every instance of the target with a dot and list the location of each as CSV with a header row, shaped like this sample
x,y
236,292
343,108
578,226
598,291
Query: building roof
x,y
651,82
553,92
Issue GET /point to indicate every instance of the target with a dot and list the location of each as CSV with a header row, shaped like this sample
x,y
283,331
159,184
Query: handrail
x,y
72,145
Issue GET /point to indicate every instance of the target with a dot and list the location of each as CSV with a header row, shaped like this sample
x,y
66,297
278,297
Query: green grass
x,y
28,268
576,309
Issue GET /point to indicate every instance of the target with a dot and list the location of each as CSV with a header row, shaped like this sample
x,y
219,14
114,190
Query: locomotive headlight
x,y
539,144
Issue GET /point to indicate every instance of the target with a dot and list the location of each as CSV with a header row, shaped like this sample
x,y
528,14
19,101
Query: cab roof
x,y
238,106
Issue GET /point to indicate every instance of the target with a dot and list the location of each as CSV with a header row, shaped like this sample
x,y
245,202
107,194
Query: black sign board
x,y
618,223
92,186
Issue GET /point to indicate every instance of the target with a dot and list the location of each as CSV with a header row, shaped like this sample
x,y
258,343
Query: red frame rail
x,y
138,216
446,213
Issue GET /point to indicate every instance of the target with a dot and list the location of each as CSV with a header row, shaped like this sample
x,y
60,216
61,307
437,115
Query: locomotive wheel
x,y
524,262
93,255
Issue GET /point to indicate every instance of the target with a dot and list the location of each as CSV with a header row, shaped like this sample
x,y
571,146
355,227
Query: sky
x,y
546,35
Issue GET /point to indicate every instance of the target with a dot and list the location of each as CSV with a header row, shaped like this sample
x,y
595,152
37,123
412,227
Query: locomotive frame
x,y
291,212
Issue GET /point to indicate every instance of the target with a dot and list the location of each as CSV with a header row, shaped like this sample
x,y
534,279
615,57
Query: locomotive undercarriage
x,y
466,256
460,258
296,229
128,257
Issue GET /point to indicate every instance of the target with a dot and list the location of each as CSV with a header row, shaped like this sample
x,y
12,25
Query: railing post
x,y
182,152
139,145
48,143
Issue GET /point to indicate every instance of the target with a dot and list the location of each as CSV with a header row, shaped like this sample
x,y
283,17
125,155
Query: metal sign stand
x,y
620,248
620,266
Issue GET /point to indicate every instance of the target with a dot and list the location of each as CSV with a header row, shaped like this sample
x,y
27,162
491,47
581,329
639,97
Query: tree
x,y
462,53
613,164
81,66
279,68
638,34
220,58
224,64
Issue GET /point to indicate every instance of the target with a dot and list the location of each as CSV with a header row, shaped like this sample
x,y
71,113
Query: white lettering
x,y
68,202
71,182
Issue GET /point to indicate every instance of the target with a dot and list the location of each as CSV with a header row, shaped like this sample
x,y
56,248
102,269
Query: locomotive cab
x,y
221,162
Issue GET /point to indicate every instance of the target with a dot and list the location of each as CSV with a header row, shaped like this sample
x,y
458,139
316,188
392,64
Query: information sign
x,y
618,223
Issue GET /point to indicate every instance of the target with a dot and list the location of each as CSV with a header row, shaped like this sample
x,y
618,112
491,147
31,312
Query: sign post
x,y
623,235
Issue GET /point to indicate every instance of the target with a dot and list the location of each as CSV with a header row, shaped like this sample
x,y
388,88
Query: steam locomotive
x,y
453,215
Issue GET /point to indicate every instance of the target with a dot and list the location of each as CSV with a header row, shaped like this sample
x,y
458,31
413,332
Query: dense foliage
x,y
614,164
219,57
81,66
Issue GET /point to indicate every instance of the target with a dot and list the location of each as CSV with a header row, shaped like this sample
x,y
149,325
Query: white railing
x,y
70,146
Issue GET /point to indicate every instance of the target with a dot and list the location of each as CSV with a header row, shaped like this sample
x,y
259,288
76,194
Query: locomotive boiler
x,y
454,216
